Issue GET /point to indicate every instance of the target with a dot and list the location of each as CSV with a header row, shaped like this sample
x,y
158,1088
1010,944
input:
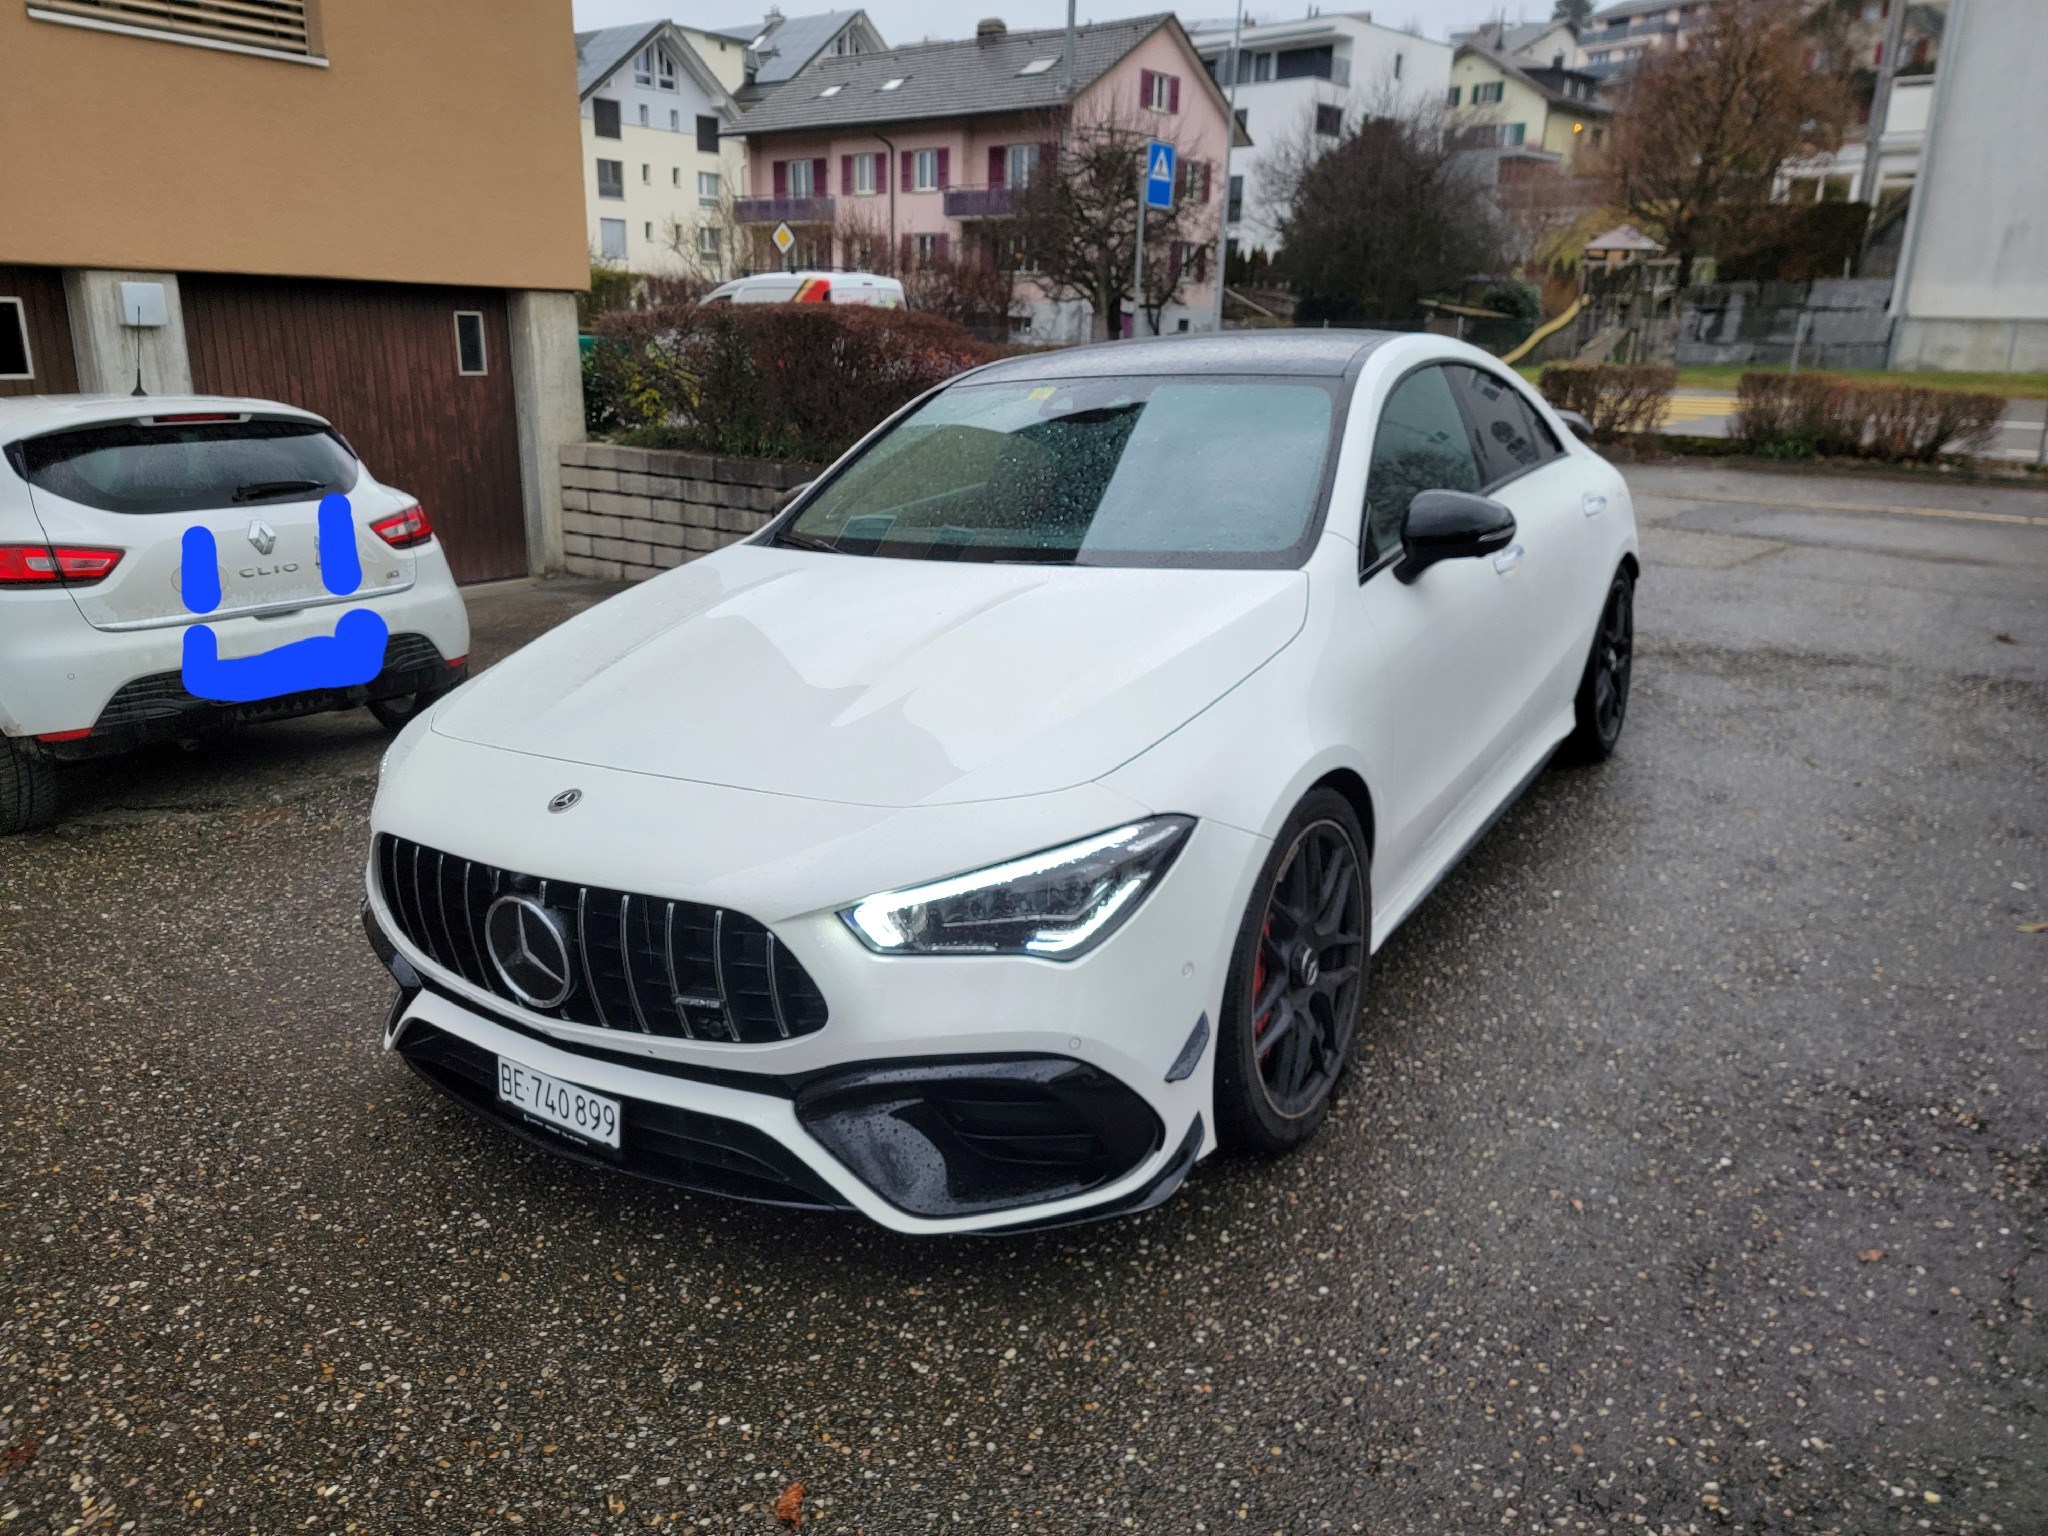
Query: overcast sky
x,y
910,21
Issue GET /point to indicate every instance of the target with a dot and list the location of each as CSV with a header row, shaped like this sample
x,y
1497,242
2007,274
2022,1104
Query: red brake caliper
x,y
1259,981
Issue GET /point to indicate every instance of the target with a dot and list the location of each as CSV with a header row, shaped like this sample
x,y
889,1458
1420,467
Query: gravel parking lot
x,y
1691,1177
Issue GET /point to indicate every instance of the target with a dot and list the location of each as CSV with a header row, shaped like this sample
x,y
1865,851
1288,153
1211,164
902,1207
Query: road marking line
x,y
1950,513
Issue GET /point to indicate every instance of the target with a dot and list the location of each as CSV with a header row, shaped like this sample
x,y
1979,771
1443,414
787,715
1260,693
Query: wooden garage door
x,y
379,361
41,291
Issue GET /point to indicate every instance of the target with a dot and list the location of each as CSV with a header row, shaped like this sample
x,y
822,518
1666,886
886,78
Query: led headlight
x,y
1057,904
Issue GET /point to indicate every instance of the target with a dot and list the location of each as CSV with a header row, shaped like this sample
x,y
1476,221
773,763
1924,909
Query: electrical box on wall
x,y
143,304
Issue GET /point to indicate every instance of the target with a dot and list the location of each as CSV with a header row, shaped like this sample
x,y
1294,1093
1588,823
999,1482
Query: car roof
x,y
31,415
1314,354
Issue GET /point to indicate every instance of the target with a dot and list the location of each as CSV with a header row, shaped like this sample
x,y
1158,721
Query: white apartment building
x,y
658,178
1308,79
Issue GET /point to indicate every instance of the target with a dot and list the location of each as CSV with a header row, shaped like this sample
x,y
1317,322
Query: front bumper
x,y
941,1094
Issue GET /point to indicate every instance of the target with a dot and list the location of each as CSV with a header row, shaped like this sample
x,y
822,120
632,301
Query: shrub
x,y
778,381
1617,398
1801,416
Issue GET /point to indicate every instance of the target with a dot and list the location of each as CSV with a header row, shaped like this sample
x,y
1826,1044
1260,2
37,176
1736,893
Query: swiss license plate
x,y
562,1105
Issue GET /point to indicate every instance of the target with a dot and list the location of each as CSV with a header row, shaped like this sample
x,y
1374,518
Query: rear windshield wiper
x,y
262,488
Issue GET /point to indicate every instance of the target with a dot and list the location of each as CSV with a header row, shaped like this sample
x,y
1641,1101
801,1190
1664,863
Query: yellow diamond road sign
x,y
784,238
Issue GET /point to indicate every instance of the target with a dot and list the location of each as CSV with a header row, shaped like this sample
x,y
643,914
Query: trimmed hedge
x,y
767,381
1797,416
1619,399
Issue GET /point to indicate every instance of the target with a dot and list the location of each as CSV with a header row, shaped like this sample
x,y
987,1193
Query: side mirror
x,y
1579,425
1451,525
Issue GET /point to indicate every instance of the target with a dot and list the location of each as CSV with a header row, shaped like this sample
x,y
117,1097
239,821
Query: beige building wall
x,y
436,144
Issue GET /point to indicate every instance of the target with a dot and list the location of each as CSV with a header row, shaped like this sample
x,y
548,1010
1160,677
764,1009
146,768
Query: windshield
x,y
1100,471
134,466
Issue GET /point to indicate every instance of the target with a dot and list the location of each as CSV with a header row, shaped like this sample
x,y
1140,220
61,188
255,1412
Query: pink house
x,y
912,156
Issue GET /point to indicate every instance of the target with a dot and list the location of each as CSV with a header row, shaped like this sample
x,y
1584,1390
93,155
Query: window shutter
x,y
782,178
1173,93
279,25
998,164
908,173
943,244
1048,156
846,175
821,177
1145,88
945,168
903,259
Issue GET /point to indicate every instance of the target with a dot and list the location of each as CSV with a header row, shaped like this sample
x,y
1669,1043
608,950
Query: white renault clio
x,y
98,494
1013,819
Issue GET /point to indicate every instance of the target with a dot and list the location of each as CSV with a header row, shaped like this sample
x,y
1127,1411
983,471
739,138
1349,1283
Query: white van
x,y
810,288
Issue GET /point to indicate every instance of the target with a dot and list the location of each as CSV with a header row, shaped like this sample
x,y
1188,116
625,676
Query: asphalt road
x,y
1691,1178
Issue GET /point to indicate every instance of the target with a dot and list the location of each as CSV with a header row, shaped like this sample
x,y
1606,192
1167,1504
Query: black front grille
x,y
656,1141
638,964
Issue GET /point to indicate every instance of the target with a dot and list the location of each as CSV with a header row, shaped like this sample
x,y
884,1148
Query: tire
x,y
1601,706
28,787
400,710
1286,1035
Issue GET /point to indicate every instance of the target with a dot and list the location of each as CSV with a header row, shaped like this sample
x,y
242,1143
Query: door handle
x,y
1508,558
1593,504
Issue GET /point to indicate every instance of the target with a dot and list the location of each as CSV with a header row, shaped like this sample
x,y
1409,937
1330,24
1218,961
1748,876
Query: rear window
x,y
133,466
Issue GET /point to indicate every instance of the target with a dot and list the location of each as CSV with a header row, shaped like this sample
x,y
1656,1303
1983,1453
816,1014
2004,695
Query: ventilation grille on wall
x,y
281,26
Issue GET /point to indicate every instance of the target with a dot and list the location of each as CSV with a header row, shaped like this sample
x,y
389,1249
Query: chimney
x,y
989,31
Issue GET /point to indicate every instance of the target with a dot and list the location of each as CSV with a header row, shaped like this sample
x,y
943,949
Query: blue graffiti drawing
x,y
352,655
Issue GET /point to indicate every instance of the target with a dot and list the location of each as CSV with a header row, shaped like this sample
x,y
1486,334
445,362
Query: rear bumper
x,y
159,709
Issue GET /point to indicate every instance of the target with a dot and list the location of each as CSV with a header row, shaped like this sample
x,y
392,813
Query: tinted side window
x,y
1419,445
1512,437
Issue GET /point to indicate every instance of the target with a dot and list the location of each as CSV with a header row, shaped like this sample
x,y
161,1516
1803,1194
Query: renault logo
x,y
263,536
529,949
565,799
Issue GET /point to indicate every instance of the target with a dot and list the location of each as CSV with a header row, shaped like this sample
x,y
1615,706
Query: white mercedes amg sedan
x,y
1012,821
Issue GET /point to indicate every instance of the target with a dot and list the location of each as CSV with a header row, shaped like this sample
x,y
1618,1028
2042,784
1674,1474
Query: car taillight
x,y
402,530
815,290
67,565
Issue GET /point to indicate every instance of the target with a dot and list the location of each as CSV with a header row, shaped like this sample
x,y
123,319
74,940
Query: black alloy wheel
x,y
1602,703
1297,980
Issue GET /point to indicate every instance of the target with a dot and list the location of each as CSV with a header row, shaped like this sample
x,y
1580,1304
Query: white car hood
x,y
882,682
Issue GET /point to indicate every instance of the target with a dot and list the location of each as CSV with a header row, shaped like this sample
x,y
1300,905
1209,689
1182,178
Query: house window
x,y
1329,121
895,83
646,175
1456,92
1305,63
925,248
1161,92
675,176
1236,198
1489,92
1021,259
866,174
1262,66
14,358
1397,65
655,64
707,135
643,114
1023,165
707,243
1512,133
611,239
924,170
647,230
279,27
707,188
604,117
675,121
799,182
611,178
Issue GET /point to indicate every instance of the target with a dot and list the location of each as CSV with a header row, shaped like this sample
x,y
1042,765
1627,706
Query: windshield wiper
x,y
262,488
791,539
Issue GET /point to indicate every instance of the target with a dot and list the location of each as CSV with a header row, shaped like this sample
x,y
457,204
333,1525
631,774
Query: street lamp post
x,y
1229,141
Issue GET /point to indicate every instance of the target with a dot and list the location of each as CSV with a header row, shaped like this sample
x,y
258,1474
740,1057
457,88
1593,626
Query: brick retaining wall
x,y
634,512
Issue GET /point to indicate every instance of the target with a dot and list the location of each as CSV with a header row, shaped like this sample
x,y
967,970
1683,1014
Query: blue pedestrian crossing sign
x,y
1159,166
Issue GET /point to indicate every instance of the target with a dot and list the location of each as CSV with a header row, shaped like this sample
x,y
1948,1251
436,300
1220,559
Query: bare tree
x,y
1077,220
1704,130
1379,217
707,262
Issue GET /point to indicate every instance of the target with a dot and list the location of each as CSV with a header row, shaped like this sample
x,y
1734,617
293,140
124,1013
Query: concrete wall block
x,y
668,559
633,570
589,522
703,539
585,565
1863,294
576,543
574,499
630,550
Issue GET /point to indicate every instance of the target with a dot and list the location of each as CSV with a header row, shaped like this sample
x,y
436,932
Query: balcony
x,y
783,210
978,203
